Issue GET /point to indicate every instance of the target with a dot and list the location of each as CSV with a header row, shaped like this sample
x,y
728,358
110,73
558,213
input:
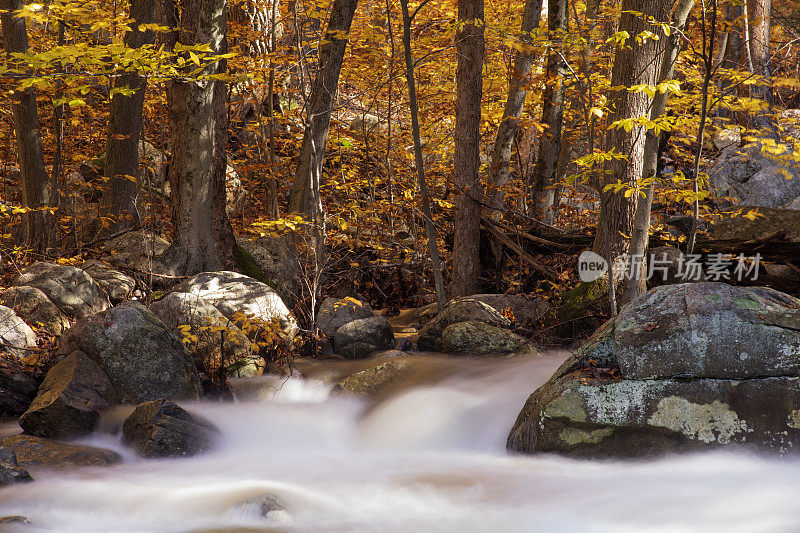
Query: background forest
x,y
395,150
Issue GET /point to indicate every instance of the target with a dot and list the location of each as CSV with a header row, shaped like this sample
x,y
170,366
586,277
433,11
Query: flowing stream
x,y
429,458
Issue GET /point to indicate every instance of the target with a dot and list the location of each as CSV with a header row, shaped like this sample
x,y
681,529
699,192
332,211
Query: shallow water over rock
x,y
428,457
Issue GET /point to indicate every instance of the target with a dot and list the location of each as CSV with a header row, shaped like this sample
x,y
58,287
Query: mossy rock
x,y
578,311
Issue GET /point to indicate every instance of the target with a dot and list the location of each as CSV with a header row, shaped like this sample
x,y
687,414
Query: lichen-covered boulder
x,y
473,337
682,366
461,310
162,429
37,451
143,359
71,398
35,308
336,312
215,342
359,338
17,339
71,289
118,285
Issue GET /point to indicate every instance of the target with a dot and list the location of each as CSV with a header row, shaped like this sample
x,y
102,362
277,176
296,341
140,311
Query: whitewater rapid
x,y
429,459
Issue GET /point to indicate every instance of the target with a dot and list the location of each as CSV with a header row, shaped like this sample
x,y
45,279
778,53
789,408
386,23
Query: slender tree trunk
x,y
636,284
760,46
204,238
124,128
544,192
331,55
36,193
466,162
515,102
433,248
634,64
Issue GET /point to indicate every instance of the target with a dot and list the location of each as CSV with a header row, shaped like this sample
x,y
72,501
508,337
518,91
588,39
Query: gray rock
x,y
35,308
71,289
336,312
37,451
461,310
375,380
119,286
473,337
277,258
140,250
17,339
10,472
219,343
14,519
359,338
236,295
768,222
17,389
143,359
525,310
664,264
162,429
73,394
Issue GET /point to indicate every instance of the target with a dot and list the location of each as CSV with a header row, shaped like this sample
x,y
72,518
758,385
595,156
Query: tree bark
x,y
544,192
636,284
515,102
204,238
759,47
634,64
331,55
466,162
36,194
124,128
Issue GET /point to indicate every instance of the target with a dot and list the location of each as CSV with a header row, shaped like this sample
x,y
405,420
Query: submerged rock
x,y
359,338
473,337
38,451
376,379
162,429
682,366
143,359
72,396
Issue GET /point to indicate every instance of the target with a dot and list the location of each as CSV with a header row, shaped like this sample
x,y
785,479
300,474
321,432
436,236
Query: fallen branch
x,y
525,256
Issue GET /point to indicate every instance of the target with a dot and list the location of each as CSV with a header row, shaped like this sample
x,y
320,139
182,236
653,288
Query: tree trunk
x,y
36,195
204,238
466,162
331,54
636,284
124,128
544,192
759,47
515,102
634,64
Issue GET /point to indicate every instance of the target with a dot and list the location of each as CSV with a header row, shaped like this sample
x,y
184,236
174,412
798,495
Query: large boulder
x,y
767,223
237,296
473,337
682,366
758,174
17,388
73,394
10,472
336,312
461,310
359,338
17,339
162,429
118,285
35,308
276,259
71,289
143,359
37,451
215,342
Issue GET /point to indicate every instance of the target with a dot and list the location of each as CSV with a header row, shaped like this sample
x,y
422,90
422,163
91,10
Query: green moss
x,y
247,265
575,436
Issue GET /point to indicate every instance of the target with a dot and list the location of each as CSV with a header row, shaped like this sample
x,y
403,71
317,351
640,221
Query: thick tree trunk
x,y
544,192
515,102
36,195
634,64
124,128
759,47
636,284
204,238
312,151
466,162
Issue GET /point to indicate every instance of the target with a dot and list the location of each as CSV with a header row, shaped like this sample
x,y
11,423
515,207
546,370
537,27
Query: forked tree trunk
x,y
466,162
515,102
124,128
204,238
36,194
312,151
544,191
